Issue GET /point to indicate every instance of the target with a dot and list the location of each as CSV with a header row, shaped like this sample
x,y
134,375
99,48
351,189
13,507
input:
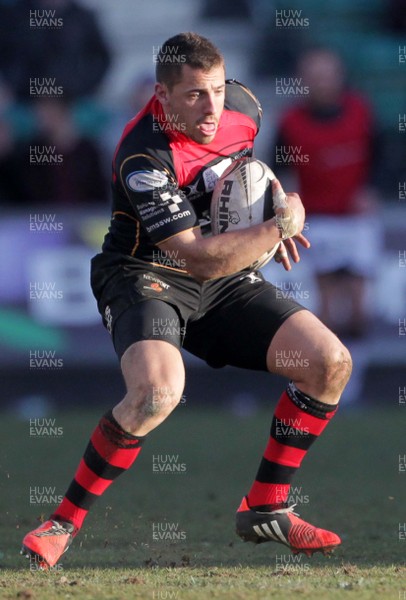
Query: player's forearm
x,y
229,252
224,254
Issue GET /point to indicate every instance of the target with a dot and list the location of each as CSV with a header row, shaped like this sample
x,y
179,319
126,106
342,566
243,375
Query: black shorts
x,y
225,321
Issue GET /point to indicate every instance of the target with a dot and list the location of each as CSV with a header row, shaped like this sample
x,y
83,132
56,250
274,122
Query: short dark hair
x,y
189,49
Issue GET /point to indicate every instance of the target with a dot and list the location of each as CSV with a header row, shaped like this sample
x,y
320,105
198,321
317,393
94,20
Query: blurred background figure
x,y
76,54
140,92
396,15
227,9
327,140
63,167
11,182
73,59
11,185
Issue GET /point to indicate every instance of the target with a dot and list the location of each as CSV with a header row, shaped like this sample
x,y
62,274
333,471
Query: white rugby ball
x,y
242,197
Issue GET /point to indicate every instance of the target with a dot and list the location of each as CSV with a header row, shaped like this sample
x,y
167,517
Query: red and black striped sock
x,y
297,423
110,452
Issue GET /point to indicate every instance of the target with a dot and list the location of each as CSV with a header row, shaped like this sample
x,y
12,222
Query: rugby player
x,y
158,266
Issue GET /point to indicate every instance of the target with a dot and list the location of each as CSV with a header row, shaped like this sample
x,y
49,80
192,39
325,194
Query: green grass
x,y
350,483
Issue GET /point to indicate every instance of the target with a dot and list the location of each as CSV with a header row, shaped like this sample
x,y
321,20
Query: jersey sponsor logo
x,y
242,153
214,172
173,205
171,201
167,220
150,212
167,202
145,181
211,174
156,284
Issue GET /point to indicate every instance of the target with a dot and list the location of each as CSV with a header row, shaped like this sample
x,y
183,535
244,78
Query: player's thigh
x,y
239,331
147,338
306,351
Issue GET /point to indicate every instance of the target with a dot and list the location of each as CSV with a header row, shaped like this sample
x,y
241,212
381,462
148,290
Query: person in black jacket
x,y
57,39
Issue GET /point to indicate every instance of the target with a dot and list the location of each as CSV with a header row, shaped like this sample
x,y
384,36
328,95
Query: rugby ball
x,y
242,197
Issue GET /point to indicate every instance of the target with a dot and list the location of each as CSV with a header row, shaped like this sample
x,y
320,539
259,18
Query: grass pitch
x,y
168,531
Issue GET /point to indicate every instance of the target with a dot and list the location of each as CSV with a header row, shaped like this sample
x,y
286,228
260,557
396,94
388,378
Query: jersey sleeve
x,y
161,207
241,99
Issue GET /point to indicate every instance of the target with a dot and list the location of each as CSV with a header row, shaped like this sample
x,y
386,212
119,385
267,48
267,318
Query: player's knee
x,y
155,399
334,369
162,399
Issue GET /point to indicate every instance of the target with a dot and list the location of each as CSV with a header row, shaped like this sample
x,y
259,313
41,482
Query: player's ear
x,y
161,92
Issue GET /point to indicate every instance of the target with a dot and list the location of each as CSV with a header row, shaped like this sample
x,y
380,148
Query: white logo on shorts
x,y
253,277
109,319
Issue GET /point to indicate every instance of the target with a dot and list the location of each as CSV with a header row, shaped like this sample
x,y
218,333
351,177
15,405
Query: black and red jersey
x,y
163,180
